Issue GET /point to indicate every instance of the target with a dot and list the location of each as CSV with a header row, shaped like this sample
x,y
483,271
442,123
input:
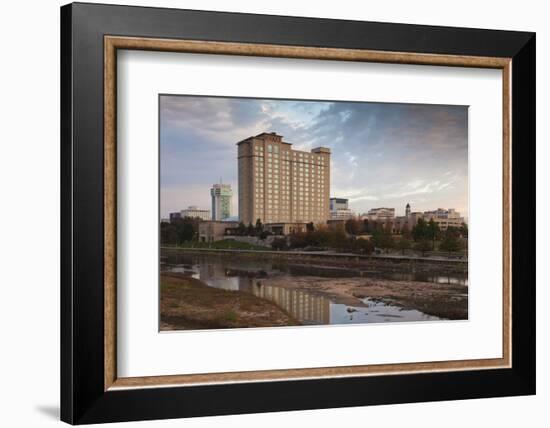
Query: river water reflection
x,y
308,307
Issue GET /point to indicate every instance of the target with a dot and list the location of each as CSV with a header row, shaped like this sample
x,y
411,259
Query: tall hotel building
x,y
281,185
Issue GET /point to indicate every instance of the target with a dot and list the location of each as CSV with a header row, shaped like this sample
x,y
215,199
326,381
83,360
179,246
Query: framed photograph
x,y
266,213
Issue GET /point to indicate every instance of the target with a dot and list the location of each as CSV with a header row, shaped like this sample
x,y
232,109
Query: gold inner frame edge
x,y
113,43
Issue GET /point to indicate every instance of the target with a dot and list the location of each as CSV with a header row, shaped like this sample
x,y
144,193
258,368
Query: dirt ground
x,y
188,303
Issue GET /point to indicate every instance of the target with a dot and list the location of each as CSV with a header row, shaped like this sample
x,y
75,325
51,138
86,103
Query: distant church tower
x,y
408,210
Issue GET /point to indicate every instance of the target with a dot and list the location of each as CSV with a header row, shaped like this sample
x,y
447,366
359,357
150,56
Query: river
x,y
310,308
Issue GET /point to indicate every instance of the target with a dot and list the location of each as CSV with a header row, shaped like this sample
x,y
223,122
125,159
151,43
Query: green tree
x,y
464,230
450,244
376,238
420,230
298,240
320,237
403,244
423,246
186,229
451,241
337,239
259,227
366,226
433,232
310,227
453,231
353,226
168,234
251,230
382,239
362,246
241,229
185,232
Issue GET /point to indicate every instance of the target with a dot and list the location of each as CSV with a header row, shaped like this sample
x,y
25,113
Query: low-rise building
x,y
194,211
408,221
445,218
210,231
175,216
381,214
285,228
415,216
442,213
445,223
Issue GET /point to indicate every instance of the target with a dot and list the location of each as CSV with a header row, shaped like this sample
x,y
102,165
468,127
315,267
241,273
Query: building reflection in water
x,y
307,308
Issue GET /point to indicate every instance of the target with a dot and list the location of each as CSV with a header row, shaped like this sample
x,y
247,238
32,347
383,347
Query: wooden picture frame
x,y
91,390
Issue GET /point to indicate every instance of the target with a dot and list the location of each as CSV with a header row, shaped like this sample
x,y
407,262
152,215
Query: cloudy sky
x,y
383,155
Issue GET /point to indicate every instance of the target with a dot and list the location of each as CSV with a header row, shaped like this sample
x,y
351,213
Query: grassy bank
x,y
187,303
349,261
225,244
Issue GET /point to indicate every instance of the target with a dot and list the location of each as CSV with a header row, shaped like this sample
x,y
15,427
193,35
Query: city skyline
x,y
383,154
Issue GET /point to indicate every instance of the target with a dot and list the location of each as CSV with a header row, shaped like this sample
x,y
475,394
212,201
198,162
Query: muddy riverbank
x,y
447,301
187,303
313,293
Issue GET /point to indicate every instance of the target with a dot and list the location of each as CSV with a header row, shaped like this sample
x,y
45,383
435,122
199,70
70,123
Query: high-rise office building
x,y
280,185
221,201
